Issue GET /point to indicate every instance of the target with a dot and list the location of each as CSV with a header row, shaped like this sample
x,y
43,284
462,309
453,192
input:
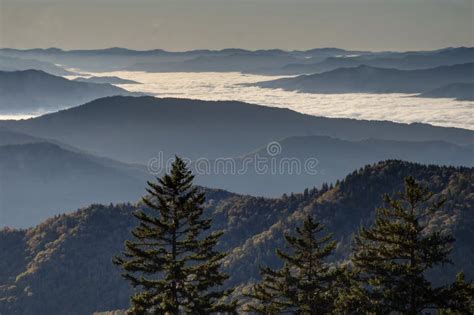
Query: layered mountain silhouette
x,y
309,161
367,79
74,251
137,129
41,179
243,62
459,91
20,64
96,153
401,61
273,61
63,177
37,91
232,59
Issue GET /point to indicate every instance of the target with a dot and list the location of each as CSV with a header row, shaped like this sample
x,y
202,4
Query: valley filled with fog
x,y
397,107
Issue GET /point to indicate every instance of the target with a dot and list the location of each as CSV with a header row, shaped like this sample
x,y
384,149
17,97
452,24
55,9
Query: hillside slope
x,y
351,203
69,256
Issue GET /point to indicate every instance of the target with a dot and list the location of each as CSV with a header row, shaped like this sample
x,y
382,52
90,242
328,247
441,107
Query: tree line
x,y
172,263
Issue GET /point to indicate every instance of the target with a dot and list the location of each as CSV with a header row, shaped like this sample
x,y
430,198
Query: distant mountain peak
x,y
31,90
369,79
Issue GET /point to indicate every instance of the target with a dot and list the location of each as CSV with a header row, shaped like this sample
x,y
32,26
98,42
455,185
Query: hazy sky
x,y
252,24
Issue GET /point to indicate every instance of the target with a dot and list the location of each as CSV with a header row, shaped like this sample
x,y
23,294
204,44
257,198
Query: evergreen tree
x,y
324,187
305,194
460,296
172,257
306,284
391,257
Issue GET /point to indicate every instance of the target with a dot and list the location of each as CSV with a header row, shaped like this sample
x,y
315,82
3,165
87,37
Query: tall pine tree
x,y
392,257
460,296
306,284
171,260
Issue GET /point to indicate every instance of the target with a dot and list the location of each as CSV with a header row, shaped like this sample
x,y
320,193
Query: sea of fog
x,y
226,86
404,108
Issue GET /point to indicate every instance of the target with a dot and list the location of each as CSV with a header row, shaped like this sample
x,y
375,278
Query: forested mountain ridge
x,y
351,203
75,251
69,256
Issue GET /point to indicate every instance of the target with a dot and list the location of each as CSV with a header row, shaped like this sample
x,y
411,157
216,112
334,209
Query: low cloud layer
x,y
225,86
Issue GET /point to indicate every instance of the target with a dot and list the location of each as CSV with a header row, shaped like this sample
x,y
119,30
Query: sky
x,y
178,25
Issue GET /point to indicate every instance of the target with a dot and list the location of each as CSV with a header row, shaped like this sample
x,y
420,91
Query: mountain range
x,y
273,61
367,79
401,61
36,91
71,179
136,129
241,62
69,158
61,178
69,256
160,60
20,64
311,161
